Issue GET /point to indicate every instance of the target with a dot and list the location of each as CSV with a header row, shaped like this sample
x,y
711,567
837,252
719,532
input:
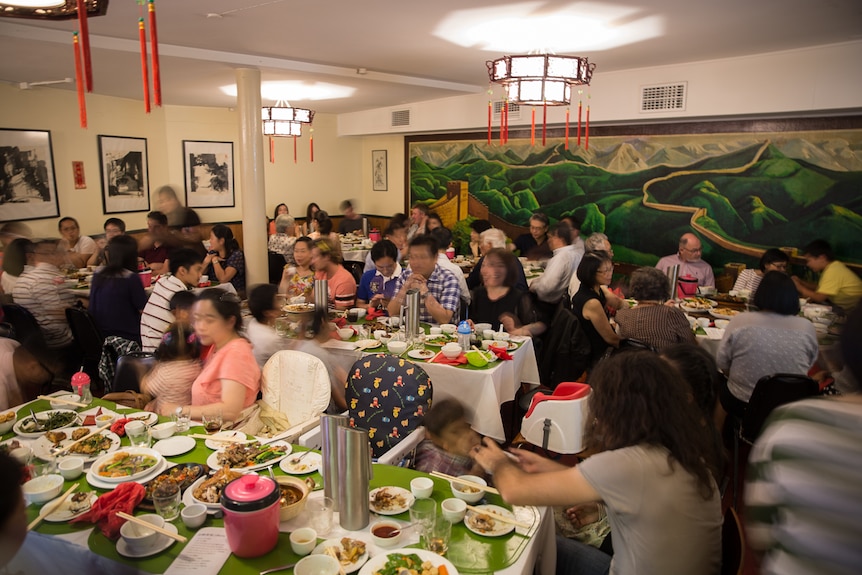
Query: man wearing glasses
x,y
689,262
534,245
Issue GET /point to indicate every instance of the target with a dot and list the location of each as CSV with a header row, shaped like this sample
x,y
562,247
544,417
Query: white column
x,y
251,175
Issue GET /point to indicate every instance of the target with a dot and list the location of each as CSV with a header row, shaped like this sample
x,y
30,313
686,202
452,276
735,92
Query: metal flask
x,y
354,472
411,305
673,277
321,294
329,425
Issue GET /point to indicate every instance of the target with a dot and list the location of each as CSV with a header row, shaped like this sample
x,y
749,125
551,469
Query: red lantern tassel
x,y
544,122
533,127
587,130
567,128
79,81
580,107
506,111
311,143
502,123
271,150
154,48
144,76
294,149
85,43
490,111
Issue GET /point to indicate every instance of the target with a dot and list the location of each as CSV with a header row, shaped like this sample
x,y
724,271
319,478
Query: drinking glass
x,y
40,468
212,420
139,437
183,419
166,499
422,513
320,513
419,342
282,326
437,536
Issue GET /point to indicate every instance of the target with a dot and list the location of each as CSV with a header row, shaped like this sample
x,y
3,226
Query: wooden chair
x,y
732,544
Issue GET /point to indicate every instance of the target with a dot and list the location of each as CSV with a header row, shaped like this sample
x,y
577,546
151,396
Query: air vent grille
x,y
663,97
514,110
400,118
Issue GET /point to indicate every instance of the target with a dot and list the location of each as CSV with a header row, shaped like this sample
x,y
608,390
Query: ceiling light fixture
x,y
50,9
285,120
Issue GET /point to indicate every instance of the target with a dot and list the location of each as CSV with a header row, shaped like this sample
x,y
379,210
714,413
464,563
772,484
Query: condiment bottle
x,y
465,333
81,381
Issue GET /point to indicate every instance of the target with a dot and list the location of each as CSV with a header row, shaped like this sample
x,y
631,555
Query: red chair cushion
x,y
567,390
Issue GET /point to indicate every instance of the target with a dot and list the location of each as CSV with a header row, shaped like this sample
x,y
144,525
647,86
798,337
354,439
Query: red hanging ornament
x,y
502,123
580,107
490,111
79,81
294,149
311,143
271,150
506,112
533,127
85,42
154,48
544,122
567,128
144,76
587,130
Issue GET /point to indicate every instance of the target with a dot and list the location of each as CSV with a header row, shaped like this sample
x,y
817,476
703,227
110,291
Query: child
x,y
170,381
450,440
181,306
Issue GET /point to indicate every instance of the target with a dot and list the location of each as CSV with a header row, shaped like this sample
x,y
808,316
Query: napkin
x,y
500,352
340,322
374,314
104,511
460,360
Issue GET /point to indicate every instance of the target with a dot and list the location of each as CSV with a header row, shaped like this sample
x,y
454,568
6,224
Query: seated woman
x,y
298,280
377,287
650,320
588,304
225,261
283,240
309,226
117,296
498,300
772,340
178,365
261,329
772,260
280,210
649,471
314,334
327,265
230,379
324,230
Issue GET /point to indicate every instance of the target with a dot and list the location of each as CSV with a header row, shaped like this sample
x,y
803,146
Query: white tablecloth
x,y
482,391
352,255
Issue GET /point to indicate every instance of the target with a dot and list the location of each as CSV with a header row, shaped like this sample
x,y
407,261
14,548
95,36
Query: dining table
x,y
527,549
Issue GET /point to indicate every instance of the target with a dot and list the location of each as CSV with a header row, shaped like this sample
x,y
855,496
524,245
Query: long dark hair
x,y
309,212
122,254
639,399
224,232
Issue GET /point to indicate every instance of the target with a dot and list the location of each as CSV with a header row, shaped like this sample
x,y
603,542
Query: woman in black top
x,y
499,301
588,304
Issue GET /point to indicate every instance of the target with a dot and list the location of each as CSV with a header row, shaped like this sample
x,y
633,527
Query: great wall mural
x,y
741,192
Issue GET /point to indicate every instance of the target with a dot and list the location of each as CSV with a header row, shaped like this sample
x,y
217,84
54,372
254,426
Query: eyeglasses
x,y
693,250
538,228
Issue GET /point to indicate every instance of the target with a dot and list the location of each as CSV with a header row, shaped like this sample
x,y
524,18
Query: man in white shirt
x,y
186,266
550,287
78,248
689,262
419,220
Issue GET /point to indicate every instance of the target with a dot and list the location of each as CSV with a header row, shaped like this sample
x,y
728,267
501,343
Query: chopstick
x,y
43,513
221,439
61,400
498,517
141,522
435,357
77,441
465,482
334,554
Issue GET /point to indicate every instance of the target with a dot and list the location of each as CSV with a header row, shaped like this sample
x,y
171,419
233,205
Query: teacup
x,y
71,467
435,330
138,538
421,487
194,515
454,509
303,541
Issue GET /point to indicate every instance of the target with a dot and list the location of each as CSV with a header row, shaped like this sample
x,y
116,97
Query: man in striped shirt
x,y
186,266
42,290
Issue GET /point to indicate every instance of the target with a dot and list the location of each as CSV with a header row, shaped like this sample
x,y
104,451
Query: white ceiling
x,y
318,41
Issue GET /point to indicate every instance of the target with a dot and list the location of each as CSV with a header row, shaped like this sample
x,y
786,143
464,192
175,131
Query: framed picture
x,y
28,188
379,171
125,183
209,174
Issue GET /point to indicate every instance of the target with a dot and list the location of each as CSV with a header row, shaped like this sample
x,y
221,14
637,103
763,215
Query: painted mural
x,y
740,192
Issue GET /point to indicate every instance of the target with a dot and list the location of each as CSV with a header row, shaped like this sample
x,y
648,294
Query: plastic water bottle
x,y
81,381
464,335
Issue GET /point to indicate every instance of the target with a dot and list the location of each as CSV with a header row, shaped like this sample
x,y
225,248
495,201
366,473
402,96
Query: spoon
x,y
39,426
296,460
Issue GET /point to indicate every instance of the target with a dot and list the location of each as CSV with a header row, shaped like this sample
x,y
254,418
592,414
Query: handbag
x,y
129,398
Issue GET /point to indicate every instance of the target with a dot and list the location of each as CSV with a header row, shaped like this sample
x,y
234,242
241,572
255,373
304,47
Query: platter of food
x,y
295,466
697,304
74,506
89,448
417,561
724,313
148,417
485,524
249,456
298,308
207,490
213,440
45,421
390,500
367,344
420,353
183,475
351,553
439,339
129,464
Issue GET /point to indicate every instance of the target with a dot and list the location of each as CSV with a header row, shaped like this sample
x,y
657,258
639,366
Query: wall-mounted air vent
x,y
514,110
400,118
663,97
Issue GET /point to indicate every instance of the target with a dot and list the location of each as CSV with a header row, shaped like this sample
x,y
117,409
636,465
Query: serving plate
x,y
213,441
42,447
367,344
148,417
136,476
376,563
64,512
308,464
96,481
213,462
351,567
721,313
41,416
499,529
420,353
162,544
697,304
395,509
176,445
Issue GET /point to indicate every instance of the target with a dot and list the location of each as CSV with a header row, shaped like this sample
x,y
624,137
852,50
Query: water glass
x,y
212,420
419,342
422,513
320,513
282,326
40,468
166,500
438,535
183,419
139,436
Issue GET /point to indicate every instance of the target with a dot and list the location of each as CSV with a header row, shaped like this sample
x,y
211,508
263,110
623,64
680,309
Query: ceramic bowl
x,y
317,565
8,421
22,455
481,327
139,538
383,534
43,488
71,467
452,350
501,336
454,509
103,419
289,511
448,327
359,311
67,397
194,515
468,494
163,430
721,323
421,487
397,347
345,333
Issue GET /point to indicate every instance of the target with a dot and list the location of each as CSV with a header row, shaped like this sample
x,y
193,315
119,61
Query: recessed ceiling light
x,y
295,91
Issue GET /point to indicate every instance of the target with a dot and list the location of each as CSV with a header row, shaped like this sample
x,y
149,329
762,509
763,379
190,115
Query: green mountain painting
x,y
741,193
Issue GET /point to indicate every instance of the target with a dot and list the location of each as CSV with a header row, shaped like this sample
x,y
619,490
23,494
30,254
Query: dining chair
x,y
90,340
732,544
131,369
296,384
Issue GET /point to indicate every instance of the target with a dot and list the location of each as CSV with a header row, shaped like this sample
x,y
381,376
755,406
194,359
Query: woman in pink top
x,y
230,378
327,263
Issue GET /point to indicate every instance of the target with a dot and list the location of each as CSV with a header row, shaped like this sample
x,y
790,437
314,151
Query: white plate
x,y
212,460
420,353
96,481
441,340
377,562
348,567
500,528
135,476
41,415
189,498
42,446
148,417
717,315
166,542
64,513
176,445
308,464
367,344
408,500
216,445
712,303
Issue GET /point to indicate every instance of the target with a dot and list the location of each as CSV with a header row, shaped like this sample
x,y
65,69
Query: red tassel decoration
x,y
271,150
580,107
490,111
154,48
503,123
143,35
533,127
567,128
311,143
85,43
506,111
79,81
294,149
587,130
544,122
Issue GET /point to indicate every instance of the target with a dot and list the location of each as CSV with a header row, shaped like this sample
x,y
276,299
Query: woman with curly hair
x,y
650,320
649,472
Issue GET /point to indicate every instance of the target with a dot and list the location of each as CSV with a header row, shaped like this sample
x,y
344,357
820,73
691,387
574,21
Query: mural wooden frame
x,y
124,169
27,192
221,156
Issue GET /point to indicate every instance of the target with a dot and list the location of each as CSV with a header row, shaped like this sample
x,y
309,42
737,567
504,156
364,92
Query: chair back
x,y
86,333
557,422
276,264
770,392
27,330
732,544
356,269
296,384
388,396
565,349
131,369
